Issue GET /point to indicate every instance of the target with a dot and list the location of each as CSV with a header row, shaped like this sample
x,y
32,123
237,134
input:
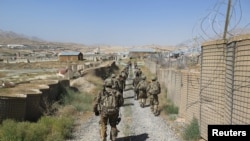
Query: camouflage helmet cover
x,y
154,78
143,77
113,75
108,83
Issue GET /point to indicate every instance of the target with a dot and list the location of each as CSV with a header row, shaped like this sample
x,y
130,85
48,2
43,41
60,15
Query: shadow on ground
x,y
128,97
141,137
128,104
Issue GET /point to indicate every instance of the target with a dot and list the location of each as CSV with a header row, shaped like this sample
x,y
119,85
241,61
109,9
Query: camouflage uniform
x,y
135,64
136,80
115,83
124,76
138,72
153,96
99,108
142,91
130,63
120,84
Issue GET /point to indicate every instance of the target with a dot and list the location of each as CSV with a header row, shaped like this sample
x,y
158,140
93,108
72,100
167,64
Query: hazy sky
x,y
120,22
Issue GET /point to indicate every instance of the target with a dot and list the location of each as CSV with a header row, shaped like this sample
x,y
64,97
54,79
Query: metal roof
x,y
70,53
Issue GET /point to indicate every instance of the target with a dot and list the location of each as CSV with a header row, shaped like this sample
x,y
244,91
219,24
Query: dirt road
x,y
137,124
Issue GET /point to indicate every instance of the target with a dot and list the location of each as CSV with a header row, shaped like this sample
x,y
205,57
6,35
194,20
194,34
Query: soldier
x,y
124,76
107,104
138,71
115,84
135,64
142,88
129,63
153,89
120,84
136,80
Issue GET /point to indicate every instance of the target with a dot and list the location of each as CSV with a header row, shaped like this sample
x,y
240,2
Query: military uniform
x,y
120,84
153,95
136,80
124,76
115,82
100,107
142,89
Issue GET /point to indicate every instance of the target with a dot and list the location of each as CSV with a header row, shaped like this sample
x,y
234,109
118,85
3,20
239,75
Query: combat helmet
x,y
108,83
154,78
143,77
113,75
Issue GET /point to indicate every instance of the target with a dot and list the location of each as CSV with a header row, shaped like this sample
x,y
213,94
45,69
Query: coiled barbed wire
x,y
211,25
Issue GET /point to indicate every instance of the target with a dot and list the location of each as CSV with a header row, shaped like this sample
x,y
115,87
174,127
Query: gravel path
x,y
137,124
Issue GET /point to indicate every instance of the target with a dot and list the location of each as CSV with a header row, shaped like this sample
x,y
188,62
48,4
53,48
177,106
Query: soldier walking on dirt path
x,y
107,105
120,83
115,82
154,89
142,88
124,76
136,81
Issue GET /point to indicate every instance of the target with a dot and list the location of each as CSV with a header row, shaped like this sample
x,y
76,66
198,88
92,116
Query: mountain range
x,y
10,37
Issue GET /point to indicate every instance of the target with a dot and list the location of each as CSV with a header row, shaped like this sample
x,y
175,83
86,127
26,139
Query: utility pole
x,y
227,19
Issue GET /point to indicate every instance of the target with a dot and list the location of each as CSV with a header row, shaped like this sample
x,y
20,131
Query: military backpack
x,y
155,88
143,85
110,103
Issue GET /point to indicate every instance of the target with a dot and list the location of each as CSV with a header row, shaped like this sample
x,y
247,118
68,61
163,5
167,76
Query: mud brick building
x,y
70,56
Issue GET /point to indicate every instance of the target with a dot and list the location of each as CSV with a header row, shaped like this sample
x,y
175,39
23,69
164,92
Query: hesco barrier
x,y
237,106
219,93
12,107
27,101
183,89
212,84
53,91
33,98
193,93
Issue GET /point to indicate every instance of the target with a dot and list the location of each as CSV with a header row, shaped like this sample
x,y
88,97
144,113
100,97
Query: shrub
x,y
170,108
47,128
81,101
192,132
8,131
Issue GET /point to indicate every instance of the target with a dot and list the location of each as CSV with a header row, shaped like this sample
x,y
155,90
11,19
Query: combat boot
x,y
113,133
156,113
142,105
152,110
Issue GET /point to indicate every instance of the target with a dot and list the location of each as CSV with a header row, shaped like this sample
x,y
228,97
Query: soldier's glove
x,y
97,113
95,110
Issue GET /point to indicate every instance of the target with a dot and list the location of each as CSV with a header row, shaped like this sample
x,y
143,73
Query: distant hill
x,y
10,37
